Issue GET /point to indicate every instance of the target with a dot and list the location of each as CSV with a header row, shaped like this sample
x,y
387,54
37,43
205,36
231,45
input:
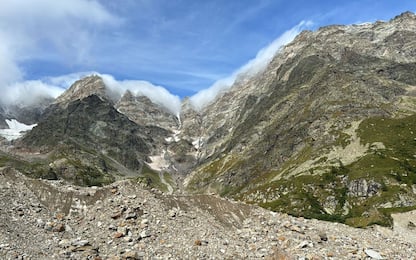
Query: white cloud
x,y
63,32
251,68
52,87
208,95
9,70
41,27
65,81
156,94
44,29
26,93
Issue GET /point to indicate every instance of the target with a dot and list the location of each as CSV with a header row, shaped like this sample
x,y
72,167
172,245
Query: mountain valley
x,y
326,132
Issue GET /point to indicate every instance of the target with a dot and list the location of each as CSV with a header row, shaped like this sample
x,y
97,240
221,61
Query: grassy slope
x,y
393,167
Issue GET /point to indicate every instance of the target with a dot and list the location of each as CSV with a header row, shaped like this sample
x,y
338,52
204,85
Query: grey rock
x,y
145,234
363,188
80,242
373,254
323,236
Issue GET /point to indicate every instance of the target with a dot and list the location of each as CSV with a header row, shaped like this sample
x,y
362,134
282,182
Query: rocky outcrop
x,y
91,85
143,111
90,136
3,124
363,188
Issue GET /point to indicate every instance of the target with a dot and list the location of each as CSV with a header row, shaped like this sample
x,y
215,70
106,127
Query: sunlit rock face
x,y
333,107
91,85
143,111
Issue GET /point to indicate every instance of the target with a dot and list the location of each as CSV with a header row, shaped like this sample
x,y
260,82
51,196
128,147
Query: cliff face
x,y
355,71
91,85
143,111
84,138
324,116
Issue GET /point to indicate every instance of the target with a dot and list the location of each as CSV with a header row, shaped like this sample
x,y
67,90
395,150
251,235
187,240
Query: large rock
x,y
363,188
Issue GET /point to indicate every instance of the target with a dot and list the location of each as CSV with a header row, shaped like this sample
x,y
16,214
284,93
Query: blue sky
x,y
182,45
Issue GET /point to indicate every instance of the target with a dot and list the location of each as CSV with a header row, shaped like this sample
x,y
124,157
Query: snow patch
x,y
176,134
16,129
169,139
175,137
159,162
198,143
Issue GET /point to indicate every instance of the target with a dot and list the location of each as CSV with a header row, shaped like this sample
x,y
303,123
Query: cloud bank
x,y
44,30
29,92
156,94
64,32
251,68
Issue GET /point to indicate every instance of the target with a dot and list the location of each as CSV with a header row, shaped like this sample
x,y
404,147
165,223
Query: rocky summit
x,y
313,157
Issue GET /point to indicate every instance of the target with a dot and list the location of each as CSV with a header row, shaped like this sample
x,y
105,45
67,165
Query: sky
x,y
187,47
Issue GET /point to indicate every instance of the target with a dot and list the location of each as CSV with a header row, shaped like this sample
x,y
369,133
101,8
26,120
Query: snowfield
x,y
16,129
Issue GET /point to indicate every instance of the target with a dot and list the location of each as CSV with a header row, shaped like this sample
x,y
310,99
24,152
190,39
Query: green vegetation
x,y
389,166
71,169
398,135
151,178
208,173
304,195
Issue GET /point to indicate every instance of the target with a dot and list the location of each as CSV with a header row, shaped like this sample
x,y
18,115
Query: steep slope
x,y
90,138
327,131
142,111
306,136
84,139
3,118
87,86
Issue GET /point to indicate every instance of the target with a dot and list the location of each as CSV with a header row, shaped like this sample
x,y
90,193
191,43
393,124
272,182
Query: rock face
x,y
323,114
91,137
26,114
3,124
362,188
143,111
91,85
85,138
321,80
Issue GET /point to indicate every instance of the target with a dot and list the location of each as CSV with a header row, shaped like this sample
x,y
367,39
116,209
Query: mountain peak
x,y
405,16
127,96
141,110
90,85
